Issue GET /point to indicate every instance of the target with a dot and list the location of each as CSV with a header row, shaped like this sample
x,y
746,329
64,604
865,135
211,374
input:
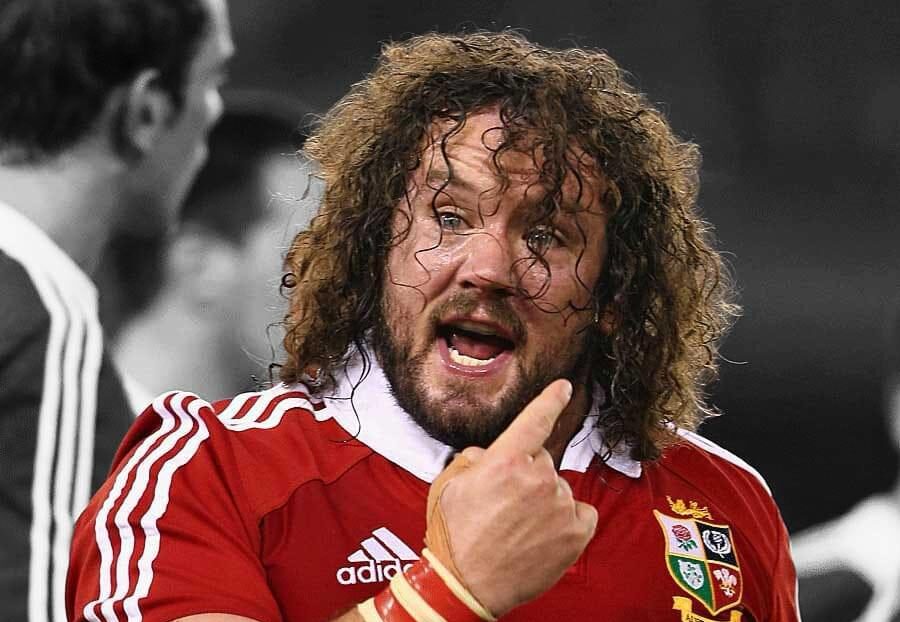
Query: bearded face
x,y
484,305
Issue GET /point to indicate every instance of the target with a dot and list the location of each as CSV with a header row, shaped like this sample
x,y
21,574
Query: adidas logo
x,y
378,559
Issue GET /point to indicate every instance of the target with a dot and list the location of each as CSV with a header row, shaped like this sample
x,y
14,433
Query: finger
x,y
532,427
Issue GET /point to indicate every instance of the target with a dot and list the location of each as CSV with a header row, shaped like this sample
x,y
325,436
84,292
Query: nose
x,y
488,264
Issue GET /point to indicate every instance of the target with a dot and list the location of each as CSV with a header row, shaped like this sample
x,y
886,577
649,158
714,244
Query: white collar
x,y
378,422
28,244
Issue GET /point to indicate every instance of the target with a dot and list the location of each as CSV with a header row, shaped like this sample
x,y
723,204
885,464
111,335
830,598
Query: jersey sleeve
x,y
784,605
170,533
44,461
748,497
24,330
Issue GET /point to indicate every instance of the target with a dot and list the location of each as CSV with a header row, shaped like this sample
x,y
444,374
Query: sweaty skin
x,y
465,258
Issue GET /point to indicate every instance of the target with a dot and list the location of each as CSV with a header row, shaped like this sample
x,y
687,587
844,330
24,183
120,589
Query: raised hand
x,y
502,519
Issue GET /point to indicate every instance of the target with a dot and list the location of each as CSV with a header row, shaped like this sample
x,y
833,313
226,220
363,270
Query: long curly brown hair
x,y
663,283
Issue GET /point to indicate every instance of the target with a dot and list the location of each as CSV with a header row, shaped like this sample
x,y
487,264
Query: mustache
x,y
499,310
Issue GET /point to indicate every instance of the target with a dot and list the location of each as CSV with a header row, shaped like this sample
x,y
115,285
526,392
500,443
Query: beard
x,y
458,418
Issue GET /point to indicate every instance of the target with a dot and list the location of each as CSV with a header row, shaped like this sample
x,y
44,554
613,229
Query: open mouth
x,y
474,344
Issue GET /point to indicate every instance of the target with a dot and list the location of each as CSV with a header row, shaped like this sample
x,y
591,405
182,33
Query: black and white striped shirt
x,y
62,415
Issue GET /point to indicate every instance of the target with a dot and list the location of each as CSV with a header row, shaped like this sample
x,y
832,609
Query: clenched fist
x,y
502,519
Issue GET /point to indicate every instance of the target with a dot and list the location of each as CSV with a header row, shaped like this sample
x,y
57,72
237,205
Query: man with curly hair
x,y
507,267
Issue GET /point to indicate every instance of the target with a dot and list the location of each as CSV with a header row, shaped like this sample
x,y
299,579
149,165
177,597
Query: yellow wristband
x,y
368,612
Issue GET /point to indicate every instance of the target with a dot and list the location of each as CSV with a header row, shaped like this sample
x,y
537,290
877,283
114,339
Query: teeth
x,y
462,359
475,327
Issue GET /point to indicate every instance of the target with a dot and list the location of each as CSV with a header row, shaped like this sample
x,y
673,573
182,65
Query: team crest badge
x,y
701,558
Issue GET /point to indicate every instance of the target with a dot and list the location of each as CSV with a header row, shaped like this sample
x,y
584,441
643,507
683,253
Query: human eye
x,y
542,238
450,221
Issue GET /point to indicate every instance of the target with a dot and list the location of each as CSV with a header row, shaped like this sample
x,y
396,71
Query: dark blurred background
x,y
795,106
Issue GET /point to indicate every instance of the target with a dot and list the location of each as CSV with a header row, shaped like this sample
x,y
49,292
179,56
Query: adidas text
x,y
371,572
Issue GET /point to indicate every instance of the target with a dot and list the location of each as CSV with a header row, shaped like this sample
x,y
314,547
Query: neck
x,y
72,198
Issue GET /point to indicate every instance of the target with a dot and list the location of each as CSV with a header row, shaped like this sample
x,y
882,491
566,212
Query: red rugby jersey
x,y
279,506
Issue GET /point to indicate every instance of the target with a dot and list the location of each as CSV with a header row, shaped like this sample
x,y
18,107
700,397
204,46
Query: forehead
x,y
473,155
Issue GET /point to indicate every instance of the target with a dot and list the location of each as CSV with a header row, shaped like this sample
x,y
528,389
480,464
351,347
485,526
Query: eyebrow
x,y
440,179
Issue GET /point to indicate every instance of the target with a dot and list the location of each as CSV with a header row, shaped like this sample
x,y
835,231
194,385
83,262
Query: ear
x,y
146,113
606,321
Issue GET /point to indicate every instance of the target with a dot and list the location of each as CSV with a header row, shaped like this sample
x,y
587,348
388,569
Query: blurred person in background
x,y
507,265
213,325
849,567
104,110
